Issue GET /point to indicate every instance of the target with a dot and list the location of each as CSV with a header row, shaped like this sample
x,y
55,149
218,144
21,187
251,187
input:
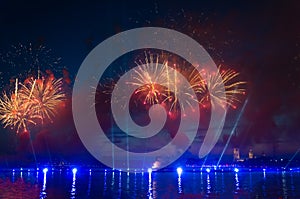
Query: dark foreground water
x,y
85,184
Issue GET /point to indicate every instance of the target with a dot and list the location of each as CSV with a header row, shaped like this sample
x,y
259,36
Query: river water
x,y
96,184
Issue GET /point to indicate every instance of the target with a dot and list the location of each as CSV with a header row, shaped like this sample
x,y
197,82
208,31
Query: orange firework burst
x,y
209,86
182,90
36,100
14,112
43,95
147,76
159,82
177,86
206,84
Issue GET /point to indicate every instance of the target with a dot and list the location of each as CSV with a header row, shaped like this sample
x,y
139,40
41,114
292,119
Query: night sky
x,y
260,39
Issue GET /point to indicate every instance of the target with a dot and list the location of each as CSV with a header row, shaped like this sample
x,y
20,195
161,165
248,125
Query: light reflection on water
x,y
284,185
237,183
179,184
87,184
150,194
73,189
208,187
120,185
43,192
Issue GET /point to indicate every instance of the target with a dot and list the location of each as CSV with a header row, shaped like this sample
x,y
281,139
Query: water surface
x,y
96,184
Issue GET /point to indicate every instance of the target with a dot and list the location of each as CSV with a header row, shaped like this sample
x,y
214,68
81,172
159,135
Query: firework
x,y
209,86
14,112
150,73
35,100
178,89
29,58
43,95
168,82
147,76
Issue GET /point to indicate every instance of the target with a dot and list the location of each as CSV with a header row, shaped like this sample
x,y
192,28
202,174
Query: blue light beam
x,y
233,130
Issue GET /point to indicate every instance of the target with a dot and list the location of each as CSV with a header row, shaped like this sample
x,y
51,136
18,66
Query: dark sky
x,y
260,39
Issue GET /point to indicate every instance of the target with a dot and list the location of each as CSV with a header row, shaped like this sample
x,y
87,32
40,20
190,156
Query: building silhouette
x,y
250,154
236,154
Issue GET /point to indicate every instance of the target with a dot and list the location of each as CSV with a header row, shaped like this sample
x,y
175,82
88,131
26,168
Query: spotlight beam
x,y
290,160
233,130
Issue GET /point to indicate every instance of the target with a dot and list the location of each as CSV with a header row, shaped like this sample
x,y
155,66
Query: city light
x,y
149,170
45,170
74,170
236,170
208,170
179,170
